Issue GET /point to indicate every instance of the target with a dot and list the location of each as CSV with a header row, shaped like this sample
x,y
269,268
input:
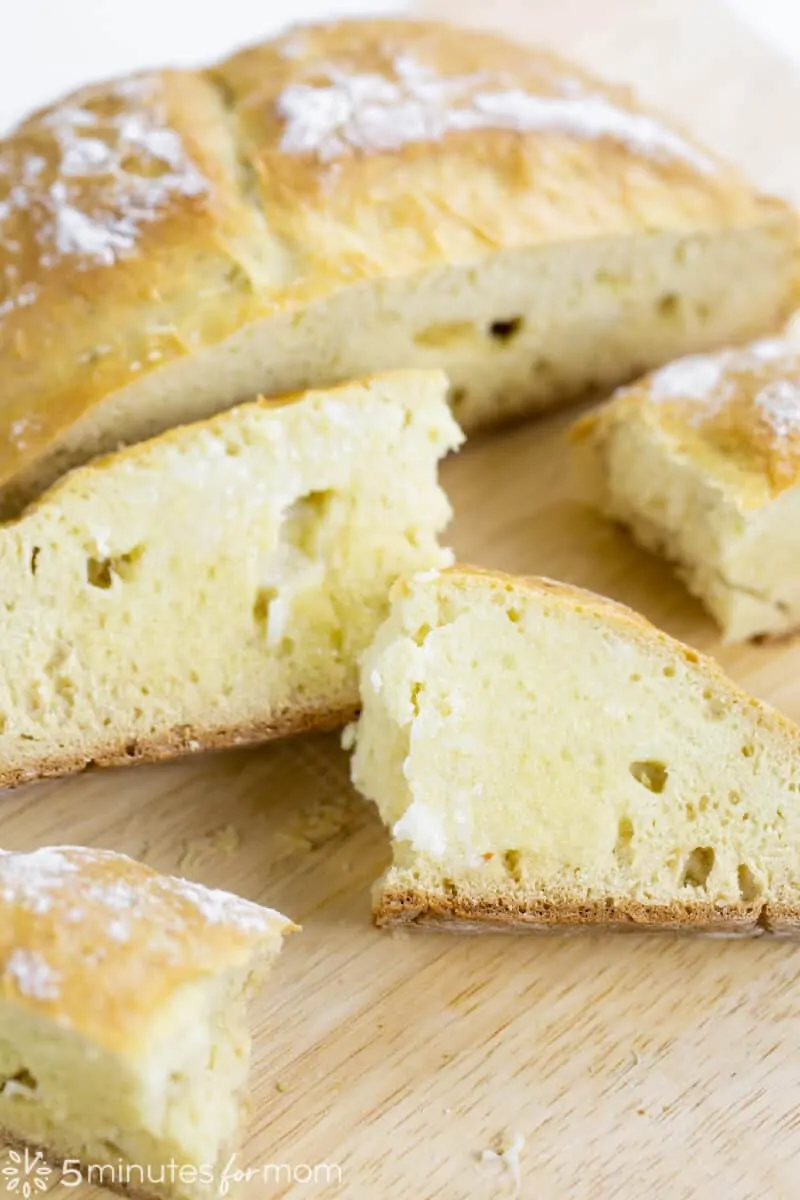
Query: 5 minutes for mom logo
x,y
26,1174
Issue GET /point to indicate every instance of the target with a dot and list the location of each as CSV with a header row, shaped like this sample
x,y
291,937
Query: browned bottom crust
x,y
417,908
182,740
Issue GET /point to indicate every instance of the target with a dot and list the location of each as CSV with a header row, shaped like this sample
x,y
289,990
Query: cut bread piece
x,y
124,1042
349,198
217,584
545,758
701,460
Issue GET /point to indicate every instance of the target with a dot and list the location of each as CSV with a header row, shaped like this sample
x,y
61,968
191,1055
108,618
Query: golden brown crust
x,y
185,740
99,943
143,219
736,412
422,908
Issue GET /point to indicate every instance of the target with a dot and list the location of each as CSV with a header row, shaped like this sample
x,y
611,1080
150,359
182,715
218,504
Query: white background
x,y
48,46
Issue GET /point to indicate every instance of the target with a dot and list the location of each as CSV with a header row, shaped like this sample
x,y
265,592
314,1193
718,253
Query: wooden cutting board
x,y
632,1067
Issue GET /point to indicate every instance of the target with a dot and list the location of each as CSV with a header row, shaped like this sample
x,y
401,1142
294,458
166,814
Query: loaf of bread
x,y
545,758
217,584
350,198
124,1043
701,460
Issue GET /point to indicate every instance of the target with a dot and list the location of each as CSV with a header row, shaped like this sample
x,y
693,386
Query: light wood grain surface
x,y
632,1067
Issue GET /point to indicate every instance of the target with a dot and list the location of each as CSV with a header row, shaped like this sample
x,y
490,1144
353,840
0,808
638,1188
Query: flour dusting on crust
x,y
763,377
122,902
81,180
779,403
33,976
373,113
691,378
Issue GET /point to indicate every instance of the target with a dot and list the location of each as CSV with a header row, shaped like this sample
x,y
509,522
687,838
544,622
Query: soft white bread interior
x,y
701,461
349,198
217,584
124,1038
545,758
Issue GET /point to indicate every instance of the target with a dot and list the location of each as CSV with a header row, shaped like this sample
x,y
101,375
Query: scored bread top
x,y
736,412
99,942
143,219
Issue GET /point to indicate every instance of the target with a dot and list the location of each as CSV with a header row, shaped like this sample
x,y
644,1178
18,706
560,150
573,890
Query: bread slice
x,y
217,584
701,460
124,1043
349,198
546,759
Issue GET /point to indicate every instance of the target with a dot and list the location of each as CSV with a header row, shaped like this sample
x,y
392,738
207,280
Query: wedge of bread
x,y
124,1041
217,584
546,759
349,198
701,461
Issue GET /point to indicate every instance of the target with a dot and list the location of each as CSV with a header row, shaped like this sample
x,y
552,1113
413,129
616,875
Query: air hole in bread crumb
x,y
669,672
514,615
420,634
446,334
669,306
623,850
748,750
506,330
98,572
511,862
749,887
261,605
22,1084
35,552
698,867
101,572
303,521
414,698
650,774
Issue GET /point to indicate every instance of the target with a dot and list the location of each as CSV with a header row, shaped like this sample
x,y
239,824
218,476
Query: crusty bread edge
x,y
183,740
409,908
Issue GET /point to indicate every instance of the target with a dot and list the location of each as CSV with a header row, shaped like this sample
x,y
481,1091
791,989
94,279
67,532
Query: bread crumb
x,y
506,1152
226,840
327,820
